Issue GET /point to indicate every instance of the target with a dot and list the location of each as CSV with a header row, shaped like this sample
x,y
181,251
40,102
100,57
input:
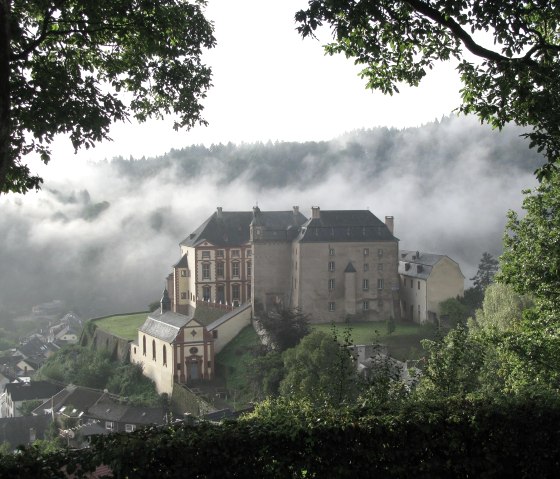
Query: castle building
x,y
333,265
216,264
337,264
426,280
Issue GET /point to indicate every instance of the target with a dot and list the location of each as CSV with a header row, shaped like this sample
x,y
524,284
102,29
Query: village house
x,y
426,280
18,393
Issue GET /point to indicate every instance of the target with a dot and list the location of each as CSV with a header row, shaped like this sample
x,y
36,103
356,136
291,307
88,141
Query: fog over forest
x,y
104,236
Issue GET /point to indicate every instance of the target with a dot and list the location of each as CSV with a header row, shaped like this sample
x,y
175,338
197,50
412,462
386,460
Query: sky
x,y
270,84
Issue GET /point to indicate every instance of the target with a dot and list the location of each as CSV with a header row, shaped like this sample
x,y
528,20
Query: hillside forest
x,y
449,185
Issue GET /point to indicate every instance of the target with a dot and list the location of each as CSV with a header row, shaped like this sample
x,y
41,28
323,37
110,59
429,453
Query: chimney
x,y
315,212
219,212
296,210
390,223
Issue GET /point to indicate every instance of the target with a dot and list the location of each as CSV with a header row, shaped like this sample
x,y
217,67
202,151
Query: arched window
x,y
144,345
164,355
154,349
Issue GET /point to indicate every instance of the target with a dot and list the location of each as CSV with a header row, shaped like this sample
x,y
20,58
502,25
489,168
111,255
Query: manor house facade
x,y
335,264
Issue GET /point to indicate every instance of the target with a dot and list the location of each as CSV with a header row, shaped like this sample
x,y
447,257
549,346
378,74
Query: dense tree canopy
x,y
531,258
399,40
76,66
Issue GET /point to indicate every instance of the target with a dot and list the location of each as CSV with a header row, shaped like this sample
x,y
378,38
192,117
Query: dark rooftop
x,y
32,390
345,226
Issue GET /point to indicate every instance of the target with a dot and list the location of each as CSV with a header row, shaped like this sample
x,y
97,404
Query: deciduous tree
x,y
514,80
76,66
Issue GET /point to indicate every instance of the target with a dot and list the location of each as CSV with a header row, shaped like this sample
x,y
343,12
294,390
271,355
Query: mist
x,y
103,236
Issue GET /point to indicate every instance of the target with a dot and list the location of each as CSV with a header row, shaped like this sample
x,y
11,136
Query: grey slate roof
x,y
231,228
140,415
143,415
183,262
164,326
345,226
350,268
78,397
32,390
418,264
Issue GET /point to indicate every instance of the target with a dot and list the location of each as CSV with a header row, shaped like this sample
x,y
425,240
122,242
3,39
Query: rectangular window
x,y
206,255
331,265
379,266
418,284
365,284
366,267
380,252
220,253
178,366
411,284
109,425
249,253
366,251
183,273
235,292
249,269
214,333
130,427
418,312
380,283
331,284
365,305
331,251
205,270
235,269
248,291
235,253
331,306
220,269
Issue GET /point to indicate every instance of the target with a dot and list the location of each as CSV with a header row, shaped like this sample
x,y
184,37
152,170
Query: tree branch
x,y
457,30
5,157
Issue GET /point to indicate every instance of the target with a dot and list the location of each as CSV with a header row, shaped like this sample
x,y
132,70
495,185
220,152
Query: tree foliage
x,y
487,269
285,327
84,367
77,66
320,369
531,258
397,41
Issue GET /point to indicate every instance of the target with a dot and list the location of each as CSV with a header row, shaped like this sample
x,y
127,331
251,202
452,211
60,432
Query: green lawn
x,y
403,343
124,325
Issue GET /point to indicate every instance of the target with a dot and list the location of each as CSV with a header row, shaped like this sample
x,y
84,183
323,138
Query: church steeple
x,y
165,302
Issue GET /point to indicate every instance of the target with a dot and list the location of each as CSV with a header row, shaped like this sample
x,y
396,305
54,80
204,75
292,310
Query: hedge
x,y
473,439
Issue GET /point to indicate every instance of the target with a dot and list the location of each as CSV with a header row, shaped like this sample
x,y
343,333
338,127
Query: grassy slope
x,y
231,360
403,343
124,326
